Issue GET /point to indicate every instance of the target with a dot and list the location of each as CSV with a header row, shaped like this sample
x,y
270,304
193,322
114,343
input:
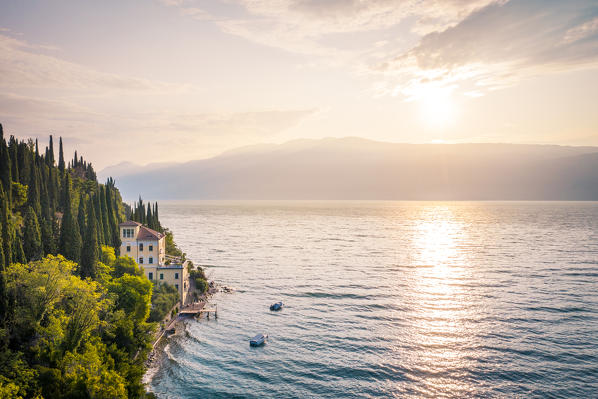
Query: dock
x,y
197,309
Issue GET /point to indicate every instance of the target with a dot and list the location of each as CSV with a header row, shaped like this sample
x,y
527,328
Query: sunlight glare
x,y
436,106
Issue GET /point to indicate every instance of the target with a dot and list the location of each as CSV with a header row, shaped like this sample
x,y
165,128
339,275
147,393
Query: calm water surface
x,y
389,299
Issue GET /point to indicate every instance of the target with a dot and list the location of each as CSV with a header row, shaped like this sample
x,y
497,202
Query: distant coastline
x,y
359,169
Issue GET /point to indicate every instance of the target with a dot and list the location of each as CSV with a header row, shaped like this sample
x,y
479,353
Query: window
x,y
176,276
151,260
128,248
151,248
141,246
177,286
140,260
128,233
161,276
150,275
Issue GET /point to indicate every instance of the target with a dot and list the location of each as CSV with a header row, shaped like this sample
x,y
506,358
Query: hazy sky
x,y
174,80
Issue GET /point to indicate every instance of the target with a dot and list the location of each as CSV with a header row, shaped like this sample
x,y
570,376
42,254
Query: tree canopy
x,y
73,314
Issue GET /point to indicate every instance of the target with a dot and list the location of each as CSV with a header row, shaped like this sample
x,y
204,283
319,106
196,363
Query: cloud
x,y
23,65
582,31
501,44
108,137
300,26
482,45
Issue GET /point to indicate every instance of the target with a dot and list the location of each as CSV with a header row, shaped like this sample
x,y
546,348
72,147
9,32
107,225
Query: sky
x,y
148,81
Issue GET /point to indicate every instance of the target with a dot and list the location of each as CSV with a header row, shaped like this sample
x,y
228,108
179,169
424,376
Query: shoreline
x,y
152,361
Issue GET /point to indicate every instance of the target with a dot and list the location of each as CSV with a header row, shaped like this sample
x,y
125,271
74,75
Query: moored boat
x,y
258,340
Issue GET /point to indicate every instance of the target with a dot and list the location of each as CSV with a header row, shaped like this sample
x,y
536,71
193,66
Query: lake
x,y
389,299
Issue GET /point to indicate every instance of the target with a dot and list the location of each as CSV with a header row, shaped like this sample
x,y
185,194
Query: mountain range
x,y
360,169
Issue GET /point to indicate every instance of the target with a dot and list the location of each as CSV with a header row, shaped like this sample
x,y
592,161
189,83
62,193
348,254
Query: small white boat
x,y
258,340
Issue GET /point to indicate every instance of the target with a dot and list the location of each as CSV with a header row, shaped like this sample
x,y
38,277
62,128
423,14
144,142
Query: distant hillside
x,y
353,168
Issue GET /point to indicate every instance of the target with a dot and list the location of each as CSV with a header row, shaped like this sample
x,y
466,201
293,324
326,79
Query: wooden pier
x,y
196,310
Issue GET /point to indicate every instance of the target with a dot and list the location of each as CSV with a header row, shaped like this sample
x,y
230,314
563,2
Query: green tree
x,y
7,228
133,296
50,157
33,196
5,175
60,157
48,238
70,237
81,218
32,241
90,251
107,233
126,265
98,218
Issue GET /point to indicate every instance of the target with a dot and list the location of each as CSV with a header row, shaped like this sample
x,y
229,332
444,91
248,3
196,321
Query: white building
x,y
148,248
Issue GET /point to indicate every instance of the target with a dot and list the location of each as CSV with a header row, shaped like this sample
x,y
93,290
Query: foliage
x,y
201,285
57,193
146,214
126,265
67,330
198,272
199,277
32,244
164,297
90,252
171,247
67,337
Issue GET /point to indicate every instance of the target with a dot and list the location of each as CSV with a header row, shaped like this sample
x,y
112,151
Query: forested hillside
x,y
73,314
353,168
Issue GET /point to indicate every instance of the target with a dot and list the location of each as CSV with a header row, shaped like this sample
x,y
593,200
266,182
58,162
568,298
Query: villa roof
x,y
145,233
130,223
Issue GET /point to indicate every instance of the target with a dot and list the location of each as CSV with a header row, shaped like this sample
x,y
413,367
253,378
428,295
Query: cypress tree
x,y
104,216
14,161
32,245
50,159
48,240
24,162
148,216
53,188
5,174
17,250
109,215
3,264
90,253
7,228
44,196
81,215
112,218
157,218
33,192
60,157
70,237
98,216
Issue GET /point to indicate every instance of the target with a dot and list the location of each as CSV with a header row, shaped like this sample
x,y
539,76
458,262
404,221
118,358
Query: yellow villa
x,y
148,248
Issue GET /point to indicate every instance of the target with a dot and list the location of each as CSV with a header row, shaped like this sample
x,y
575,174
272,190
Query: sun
x,y
436,106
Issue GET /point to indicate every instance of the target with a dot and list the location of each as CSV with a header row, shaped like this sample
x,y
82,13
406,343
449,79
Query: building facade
x,y
148,248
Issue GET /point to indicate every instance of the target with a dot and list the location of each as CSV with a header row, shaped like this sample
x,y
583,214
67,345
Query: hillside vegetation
x,y
73,314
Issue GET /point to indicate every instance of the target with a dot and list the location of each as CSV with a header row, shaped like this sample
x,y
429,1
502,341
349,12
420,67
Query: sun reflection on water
x,y
440,328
